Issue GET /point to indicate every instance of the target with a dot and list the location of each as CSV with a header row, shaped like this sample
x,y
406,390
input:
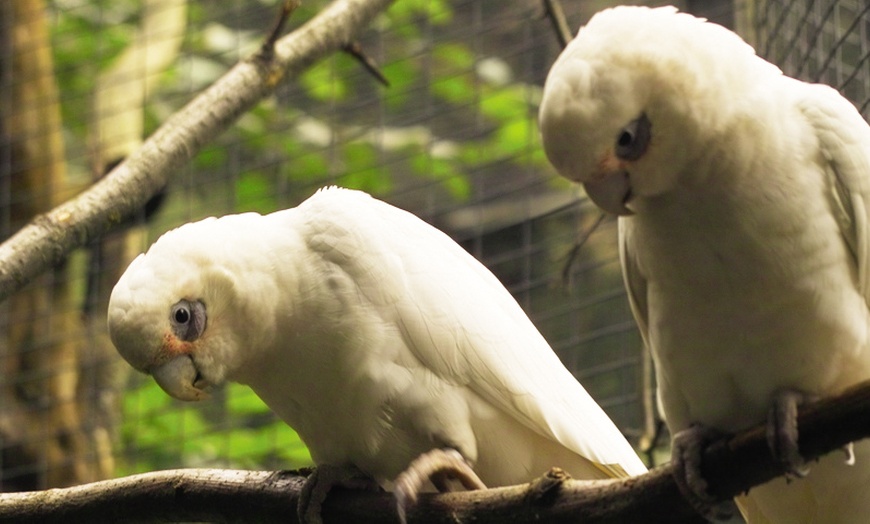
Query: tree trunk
x,y
40,428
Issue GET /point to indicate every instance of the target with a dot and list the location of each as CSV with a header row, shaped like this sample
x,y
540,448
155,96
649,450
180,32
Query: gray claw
x,y
321,481
782,432
438,466
686,451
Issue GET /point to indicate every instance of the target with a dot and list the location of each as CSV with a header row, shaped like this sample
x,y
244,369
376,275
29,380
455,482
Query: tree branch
x,y
355,50
731,466
267,50
553,10
49,238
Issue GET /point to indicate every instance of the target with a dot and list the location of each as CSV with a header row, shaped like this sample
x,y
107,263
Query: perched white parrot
x,y
371,333
743,202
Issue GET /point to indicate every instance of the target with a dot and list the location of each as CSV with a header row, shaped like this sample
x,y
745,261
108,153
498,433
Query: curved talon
x,y
686,451
438,466
321,481
849,450
782,432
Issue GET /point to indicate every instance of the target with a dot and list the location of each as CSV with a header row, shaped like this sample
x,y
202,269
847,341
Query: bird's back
x,y
463,326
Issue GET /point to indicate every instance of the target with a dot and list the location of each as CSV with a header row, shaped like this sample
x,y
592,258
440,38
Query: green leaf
x,y
211,156
307,167
457,89
241,400
445,171
507,103
515,136
254,192
290,446
453,56
402,75
146,399
458,186
359,156
323,84
435,12
249,446
372,181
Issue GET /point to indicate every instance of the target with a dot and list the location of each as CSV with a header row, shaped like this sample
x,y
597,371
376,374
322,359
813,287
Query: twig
x,y
731,466
575,249
267,50
355,50
554,11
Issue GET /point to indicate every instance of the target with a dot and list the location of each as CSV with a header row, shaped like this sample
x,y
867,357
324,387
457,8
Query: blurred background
x,y
453,139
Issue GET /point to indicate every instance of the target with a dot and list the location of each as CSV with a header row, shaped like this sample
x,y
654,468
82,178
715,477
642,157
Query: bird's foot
x,y
686,452
782,432
438,466
321,481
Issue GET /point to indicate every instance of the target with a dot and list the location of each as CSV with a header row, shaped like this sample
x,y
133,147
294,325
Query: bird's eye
x,y
182,315
633,139
188,319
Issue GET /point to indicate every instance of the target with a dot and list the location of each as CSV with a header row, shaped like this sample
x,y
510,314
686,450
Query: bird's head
x,y
174,313
637,96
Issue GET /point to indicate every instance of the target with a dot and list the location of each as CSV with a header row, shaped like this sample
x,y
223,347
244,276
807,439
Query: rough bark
x,y
731,466
50,237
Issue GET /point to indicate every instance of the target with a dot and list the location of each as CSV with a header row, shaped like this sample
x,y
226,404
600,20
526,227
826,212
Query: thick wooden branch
x,y
731,466
49,238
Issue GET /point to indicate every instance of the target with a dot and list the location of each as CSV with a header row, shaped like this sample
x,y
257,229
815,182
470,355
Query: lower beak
x,y
179,378
611,192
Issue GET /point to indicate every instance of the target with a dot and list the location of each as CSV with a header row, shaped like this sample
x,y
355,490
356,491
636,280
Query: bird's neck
x,y
266,288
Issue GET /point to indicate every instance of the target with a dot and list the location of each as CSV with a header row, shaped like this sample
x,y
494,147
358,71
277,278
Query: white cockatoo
x,y
743,203
371,333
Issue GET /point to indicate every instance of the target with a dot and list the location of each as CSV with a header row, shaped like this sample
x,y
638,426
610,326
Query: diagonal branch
x,y
553,11
49,238
731,466
355,50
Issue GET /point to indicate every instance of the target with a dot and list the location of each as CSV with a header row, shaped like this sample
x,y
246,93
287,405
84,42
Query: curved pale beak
x,y
611,192
179,378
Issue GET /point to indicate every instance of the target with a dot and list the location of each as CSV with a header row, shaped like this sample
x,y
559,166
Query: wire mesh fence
x,y
453,139
827,42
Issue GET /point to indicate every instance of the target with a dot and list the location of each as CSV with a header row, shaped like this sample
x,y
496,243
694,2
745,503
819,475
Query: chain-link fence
x,y
453,139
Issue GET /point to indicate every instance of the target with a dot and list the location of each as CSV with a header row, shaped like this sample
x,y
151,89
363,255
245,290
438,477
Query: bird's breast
x,y
744,305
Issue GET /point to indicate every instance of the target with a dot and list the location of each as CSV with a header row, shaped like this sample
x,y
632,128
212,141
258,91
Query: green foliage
x,y
322,84
256,191
155,434
405,16
235,429
85,40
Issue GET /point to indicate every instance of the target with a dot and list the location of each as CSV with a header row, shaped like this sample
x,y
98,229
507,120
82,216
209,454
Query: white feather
x,y
376,337
746,258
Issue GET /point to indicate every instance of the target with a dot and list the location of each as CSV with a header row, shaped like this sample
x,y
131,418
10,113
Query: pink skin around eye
x,y
609,163
172,347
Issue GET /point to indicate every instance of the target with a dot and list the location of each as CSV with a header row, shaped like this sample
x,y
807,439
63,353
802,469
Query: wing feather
x,y
844,140
462,324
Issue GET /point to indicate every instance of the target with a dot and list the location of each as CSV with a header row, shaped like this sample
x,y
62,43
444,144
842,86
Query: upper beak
x,y
180,378
611,192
